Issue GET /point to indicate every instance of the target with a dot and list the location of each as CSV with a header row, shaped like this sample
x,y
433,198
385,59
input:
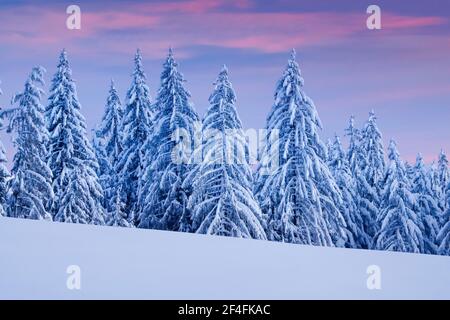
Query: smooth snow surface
x,y
148,264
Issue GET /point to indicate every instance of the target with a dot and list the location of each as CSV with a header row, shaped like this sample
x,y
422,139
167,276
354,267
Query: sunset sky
x,y
401,71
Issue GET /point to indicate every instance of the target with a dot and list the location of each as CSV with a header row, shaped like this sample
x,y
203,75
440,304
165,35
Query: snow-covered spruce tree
x,y
104,168
410,172
400,224
168,151
443,238
339,166
353,152
329,150
299,194
357,161
30,189
136,127
369,180
427,207
372,145
4,173
442,178
108,148
71,158
117,216
222,202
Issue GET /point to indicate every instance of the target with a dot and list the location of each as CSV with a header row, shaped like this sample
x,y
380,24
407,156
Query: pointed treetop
x,y
337,140
63,64
419,158
138,72
138,59
352,121
37,74
112,85
393,152
293,54
372,115
170,61
292,74
63,56
442,155
223,75
224,69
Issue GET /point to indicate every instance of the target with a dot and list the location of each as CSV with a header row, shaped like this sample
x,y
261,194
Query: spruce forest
x,y
157,164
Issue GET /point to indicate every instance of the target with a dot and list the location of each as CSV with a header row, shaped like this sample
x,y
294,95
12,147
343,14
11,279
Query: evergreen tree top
x,y
223,88
292,79
394,156
173,98
352,132
63,61
28,114
113,97
138,73
63,89
372,146
63,68
419,160
289,95
351,124
222,78
393,153
221,113
443,161
32,94
293,54
337,156
170,76
138,101
371,125
421,181
337,147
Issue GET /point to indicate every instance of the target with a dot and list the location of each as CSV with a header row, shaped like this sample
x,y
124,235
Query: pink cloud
x,y
187,23
391,21
193,6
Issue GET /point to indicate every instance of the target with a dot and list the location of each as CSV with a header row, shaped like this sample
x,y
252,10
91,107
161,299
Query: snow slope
x,y
141,264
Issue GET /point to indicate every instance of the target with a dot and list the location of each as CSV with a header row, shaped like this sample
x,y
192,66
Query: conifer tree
x,y
222,202
427,207
136,127
354,151
370,174
400,224
299,195
108,148
443,238
442,178
117,215
30,190
169,150
71,158
4,173
339,166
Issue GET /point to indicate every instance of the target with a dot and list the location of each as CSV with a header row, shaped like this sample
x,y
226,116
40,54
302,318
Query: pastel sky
x,y
401,71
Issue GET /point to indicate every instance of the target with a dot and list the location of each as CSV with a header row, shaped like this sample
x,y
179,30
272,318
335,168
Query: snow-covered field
x,y
147,264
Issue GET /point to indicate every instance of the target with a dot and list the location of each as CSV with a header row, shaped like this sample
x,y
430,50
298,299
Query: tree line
x,y
137,171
